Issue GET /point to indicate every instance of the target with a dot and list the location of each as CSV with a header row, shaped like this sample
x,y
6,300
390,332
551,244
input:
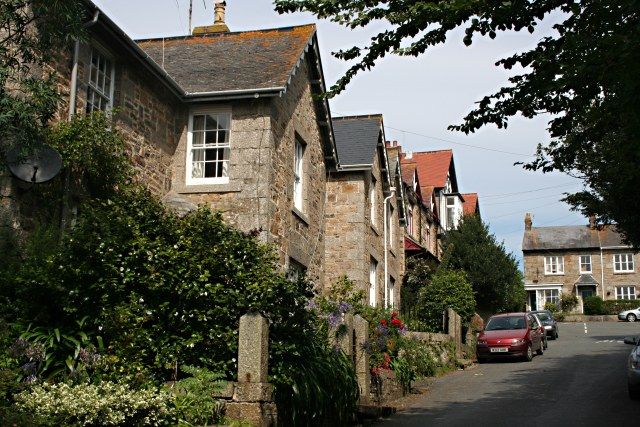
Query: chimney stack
x,y
527,222
592,222
219,25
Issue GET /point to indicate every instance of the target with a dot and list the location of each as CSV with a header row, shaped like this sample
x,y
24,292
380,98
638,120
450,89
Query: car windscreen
x,y
506,322
543,316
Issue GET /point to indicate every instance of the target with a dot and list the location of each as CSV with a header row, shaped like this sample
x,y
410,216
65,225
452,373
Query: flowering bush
x,y
385,340
105,403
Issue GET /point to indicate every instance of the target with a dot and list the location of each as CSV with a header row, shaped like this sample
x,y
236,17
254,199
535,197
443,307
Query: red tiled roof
x,y
433,167
470,205
408,169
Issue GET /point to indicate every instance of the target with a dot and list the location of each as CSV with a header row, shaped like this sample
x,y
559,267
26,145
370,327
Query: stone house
x,y
420,238
363,193
225,119
583,260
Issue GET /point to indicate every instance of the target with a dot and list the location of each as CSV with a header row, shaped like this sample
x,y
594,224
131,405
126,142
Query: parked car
x,y
543,331
633,368
510,335
549,322
630,315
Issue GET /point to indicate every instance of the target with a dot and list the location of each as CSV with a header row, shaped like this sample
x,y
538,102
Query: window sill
x,y
301,216
375,230
231,187
623,272
554,274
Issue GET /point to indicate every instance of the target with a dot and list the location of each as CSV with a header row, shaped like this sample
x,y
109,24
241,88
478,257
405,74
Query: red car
x,y
510,335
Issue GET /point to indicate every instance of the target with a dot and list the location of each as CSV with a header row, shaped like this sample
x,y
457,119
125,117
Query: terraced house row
x,y
232,120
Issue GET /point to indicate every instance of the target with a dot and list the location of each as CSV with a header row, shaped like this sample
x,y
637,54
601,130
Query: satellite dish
x,y
34,164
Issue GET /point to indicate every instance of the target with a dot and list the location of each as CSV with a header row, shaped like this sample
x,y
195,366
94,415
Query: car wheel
x,y
555,335
546,343
631,317
529,356
482,360
634,393
540,351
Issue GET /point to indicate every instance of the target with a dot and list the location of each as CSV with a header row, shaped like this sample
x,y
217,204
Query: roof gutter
x,y
354,168
234,94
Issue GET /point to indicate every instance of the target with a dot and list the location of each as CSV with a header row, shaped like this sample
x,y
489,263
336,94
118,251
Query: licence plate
x,y
499,350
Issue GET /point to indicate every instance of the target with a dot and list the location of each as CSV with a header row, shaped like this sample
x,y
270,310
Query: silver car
x,y
633,368
630,315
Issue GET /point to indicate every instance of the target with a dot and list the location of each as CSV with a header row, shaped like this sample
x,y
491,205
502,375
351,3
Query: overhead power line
x,y
502,195
478,147
523,200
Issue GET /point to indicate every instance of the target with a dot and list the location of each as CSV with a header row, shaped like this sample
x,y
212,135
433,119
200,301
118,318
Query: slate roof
x,y
222,62
571,237
586,279
356,139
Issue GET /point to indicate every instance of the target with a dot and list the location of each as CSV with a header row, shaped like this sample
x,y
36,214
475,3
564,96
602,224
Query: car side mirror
x,y
631,340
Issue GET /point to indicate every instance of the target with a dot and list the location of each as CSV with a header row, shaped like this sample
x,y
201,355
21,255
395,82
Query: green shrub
x,y
194,400
593,305
448,289
568,302
321,389
618,305
105,403
551,306
420,357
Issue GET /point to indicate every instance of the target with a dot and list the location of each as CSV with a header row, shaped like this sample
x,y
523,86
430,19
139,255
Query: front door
x,y
533,300
586,292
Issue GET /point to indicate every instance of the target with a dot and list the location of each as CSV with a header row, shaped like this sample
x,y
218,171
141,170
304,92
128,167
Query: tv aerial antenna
x,y
191,12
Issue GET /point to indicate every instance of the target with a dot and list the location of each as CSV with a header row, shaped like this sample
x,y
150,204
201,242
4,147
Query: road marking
x,y
585,328
603,341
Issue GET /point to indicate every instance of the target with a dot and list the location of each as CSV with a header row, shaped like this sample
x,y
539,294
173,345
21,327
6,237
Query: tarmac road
x,y
579,381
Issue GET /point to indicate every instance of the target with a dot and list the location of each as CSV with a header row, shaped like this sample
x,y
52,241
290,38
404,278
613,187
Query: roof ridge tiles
x,y
226,33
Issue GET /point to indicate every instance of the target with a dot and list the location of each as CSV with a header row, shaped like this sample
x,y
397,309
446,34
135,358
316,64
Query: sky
x,y
418,97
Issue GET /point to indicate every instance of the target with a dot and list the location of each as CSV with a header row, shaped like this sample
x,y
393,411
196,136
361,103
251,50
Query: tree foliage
x,y
418,274
32,32
494,275
447,289
584,77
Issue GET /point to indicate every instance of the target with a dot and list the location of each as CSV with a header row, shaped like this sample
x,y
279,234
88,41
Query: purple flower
x,y
344,307
403,331
382,330
311,305
29,367
334,319
31,379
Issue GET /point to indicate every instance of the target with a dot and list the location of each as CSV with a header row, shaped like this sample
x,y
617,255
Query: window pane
x,y
197,170
198,139
223,137
198,123
210,170
224,121
212,123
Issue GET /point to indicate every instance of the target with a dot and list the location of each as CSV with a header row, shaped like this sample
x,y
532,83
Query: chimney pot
x,y
219,25
527,221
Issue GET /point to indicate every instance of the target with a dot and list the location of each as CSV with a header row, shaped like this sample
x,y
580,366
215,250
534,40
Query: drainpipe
x,y
386,251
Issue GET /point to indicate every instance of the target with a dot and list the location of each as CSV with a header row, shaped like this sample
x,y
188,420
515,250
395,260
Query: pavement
x,y
579,381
